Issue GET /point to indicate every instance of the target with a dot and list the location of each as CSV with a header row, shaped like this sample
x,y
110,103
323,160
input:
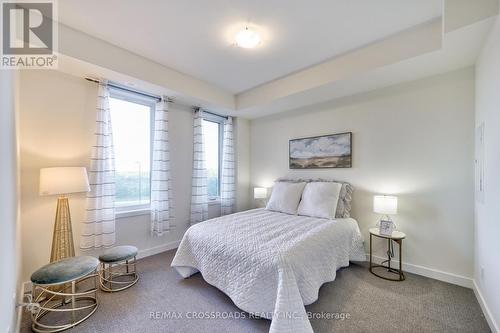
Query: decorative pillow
x,y
285,197
344,204
320,199
345,198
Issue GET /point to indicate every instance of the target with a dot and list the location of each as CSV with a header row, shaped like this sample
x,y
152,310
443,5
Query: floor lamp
x,y
62,181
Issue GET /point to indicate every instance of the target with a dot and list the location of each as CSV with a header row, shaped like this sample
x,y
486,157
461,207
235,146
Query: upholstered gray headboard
x,y
345,197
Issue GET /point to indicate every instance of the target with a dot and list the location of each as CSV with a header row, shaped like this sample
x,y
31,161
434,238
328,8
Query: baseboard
x,y
432,273
158,249
486,311
19,309
26,287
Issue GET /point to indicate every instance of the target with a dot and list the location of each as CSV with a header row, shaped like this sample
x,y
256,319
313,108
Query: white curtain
x,y
228,182
161,183
99,225
199,191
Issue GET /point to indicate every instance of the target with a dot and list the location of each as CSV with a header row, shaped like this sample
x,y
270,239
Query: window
x,y
131,118
212,132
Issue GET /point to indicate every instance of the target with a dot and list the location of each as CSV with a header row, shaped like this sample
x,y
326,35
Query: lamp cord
x,y
30,306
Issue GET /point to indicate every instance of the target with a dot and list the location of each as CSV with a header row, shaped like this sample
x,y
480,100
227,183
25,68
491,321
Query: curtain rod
x,y
156,97
215,114
119,86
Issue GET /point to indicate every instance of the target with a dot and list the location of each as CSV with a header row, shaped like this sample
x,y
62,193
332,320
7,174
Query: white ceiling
x,y
460,50
195,37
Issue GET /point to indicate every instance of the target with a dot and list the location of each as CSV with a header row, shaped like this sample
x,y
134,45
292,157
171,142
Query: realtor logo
x,y
28,34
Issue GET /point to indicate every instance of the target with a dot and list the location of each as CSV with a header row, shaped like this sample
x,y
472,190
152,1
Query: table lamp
x,y
260,193
386,205
62,181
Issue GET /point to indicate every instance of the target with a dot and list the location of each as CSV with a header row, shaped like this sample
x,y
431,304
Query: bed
x,y
270,264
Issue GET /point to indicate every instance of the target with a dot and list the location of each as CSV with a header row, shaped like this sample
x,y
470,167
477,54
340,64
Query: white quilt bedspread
x,y
270,264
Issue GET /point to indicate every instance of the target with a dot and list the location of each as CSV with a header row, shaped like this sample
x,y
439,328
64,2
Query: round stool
x,y
67,293
118,268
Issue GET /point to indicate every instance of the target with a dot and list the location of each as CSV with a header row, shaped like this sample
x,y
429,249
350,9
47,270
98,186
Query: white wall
x,y
413,140
10,258
487,224
57,114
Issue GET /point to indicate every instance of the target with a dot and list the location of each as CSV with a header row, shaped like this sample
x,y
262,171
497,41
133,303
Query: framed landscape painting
x,y
327,151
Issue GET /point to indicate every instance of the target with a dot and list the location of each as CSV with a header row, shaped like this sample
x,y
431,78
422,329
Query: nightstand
x,y
397,237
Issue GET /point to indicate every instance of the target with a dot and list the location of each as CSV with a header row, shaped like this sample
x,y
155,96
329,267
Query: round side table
x,y
397,237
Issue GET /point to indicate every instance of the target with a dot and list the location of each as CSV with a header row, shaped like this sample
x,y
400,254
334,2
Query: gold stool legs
x,y
118,275
52,302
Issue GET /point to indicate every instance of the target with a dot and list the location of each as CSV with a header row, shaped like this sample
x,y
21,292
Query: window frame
x,y
132,97
219,120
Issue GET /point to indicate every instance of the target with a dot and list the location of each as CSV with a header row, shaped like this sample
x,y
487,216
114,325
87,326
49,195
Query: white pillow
x,y
285,197
320,199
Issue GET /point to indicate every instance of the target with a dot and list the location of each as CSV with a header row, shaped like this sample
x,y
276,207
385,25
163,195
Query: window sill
x,y
132,212
214,202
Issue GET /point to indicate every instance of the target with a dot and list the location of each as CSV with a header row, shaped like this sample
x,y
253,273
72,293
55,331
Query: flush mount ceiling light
x,y
247,39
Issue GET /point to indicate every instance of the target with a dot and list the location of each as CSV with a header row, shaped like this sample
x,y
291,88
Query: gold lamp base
x,y
62,240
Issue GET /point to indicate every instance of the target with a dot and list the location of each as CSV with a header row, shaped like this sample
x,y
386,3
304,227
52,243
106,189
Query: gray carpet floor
x,y
368,304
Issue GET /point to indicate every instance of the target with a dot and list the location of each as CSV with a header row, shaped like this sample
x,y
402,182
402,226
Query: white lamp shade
x,y
385,204
63,180
260,193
